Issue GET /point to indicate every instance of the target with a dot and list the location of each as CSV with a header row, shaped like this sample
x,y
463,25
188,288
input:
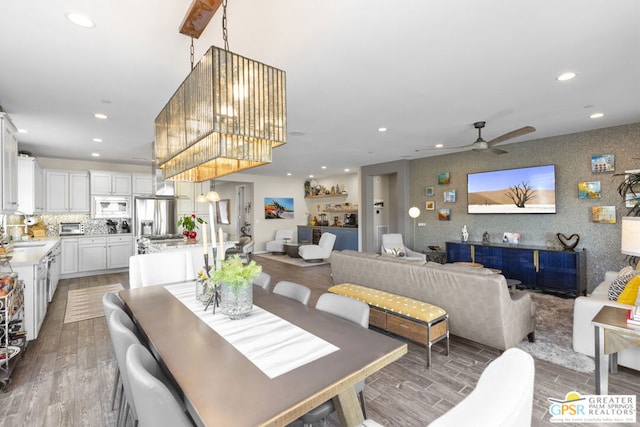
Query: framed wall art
x,y
278,208
429,191
603,214
450,196
443,178
589,190
603,163
430,205
444,214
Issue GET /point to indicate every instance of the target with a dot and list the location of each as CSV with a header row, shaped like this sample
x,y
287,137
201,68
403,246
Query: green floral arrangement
x,y
234,273
190,222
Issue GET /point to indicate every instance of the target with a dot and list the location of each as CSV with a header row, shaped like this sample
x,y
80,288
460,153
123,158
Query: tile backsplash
x,y
91,225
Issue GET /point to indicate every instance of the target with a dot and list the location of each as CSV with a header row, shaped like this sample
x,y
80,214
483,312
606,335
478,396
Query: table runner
x,y
272,344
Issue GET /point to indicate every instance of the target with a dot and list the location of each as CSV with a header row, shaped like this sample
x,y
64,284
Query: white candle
x,y
205,248
221,244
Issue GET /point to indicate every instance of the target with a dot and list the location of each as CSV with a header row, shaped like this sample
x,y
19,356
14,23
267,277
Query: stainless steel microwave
x,y
110,207
70,228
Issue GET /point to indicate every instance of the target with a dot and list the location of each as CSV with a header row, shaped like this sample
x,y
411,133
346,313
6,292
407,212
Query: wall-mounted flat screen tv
x,y
512,191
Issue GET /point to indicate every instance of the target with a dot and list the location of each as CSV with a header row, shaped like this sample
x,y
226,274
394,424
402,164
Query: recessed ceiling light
x,y
100,116
79,19
296,133
439,145
566,76
323,167
289,173
310,176
596,115
23,131
96,154
347,170
382,129
97,140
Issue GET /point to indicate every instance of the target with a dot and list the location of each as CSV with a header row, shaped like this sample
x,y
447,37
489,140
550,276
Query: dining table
x,y
267,369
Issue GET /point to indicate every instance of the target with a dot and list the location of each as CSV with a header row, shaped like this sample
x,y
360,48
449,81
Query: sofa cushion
x,y
630,292
467,269
617,286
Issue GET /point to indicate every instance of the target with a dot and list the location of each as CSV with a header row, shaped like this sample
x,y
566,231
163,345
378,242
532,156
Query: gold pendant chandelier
x,y
227,116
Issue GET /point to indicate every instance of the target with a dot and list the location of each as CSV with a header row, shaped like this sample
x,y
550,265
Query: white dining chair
x,y
122,336
111,302
354,311
263,280
156,401
292,290
160,268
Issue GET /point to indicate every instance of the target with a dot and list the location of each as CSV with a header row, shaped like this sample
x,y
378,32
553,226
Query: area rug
x,y
298,262
554,334
86,303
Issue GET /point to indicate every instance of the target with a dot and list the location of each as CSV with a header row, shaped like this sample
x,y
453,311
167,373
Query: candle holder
x,y
215,289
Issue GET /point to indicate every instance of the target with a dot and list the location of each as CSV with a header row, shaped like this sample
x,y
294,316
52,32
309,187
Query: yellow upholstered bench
x,y
416,320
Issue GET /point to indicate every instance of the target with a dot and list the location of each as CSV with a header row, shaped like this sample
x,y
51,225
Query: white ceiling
x,y
426,70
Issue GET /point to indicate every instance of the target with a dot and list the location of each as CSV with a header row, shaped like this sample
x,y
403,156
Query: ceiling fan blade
x,y
443,148
513,134
496,151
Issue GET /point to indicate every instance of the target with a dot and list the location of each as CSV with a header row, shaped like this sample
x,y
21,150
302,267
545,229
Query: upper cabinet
x,y
110,183
141,183
31,192
67,191
186,193
9,161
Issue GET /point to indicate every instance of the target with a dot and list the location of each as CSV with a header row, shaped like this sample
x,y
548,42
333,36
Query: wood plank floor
x,y
65,376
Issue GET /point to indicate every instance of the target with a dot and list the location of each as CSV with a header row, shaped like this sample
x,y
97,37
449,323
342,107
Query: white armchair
x,y
392,244
277,245
316,253
502,397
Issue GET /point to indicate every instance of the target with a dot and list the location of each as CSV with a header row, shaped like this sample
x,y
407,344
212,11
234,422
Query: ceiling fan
x,y
482,145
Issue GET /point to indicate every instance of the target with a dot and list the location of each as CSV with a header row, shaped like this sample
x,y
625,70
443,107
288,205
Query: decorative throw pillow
x,y
395,251
630,292
617,286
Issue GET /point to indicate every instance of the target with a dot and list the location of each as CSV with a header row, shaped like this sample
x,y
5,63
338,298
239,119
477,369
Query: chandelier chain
x,y
225,35
191,53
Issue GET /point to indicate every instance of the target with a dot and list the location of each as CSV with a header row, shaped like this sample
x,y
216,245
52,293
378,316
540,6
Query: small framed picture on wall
x,y
444,214
603,163
443,178
431,205
603,214
429,191
450,196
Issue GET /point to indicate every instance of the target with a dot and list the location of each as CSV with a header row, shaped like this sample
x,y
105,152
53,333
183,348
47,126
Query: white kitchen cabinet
x,y
31,192
92,253
119,249
105,183
69,256
9,162
67,191
141,184
35,297
187,192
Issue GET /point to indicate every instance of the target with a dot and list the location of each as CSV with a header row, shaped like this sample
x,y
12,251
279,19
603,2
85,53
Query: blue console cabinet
x,y
536,267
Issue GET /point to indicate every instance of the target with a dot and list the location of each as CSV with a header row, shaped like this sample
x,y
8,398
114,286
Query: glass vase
x,y
236,301
204,288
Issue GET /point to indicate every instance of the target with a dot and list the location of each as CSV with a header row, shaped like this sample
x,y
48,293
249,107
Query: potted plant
x,y
190,224
236,285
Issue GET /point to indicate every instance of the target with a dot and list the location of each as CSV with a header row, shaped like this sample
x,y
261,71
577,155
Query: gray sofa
x,y
478,301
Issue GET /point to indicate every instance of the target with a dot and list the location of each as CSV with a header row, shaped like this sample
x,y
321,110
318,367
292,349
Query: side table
x,y
291,249
436,256
612,334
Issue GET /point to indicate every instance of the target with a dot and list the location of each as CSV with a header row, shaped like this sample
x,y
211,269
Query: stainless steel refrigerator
x,y
154,216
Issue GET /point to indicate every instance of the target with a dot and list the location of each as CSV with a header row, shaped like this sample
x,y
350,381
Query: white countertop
x,y
30,252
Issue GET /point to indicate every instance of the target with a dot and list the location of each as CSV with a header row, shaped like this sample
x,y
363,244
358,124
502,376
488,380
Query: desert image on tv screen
x,y
524,190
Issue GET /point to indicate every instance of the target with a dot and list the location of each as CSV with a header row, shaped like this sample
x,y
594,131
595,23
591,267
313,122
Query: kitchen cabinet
x,y
69,256
35,296
119,249
346,238
541,268
110,183
186,193
92,253
9,162
31,192
141,184
67,191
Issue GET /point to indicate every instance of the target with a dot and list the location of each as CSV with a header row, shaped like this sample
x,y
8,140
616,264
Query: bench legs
x,y
440,335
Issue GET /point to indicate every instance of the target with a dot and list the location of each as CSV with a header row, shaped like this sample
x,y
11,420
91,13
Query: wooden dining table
x,y
222,387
